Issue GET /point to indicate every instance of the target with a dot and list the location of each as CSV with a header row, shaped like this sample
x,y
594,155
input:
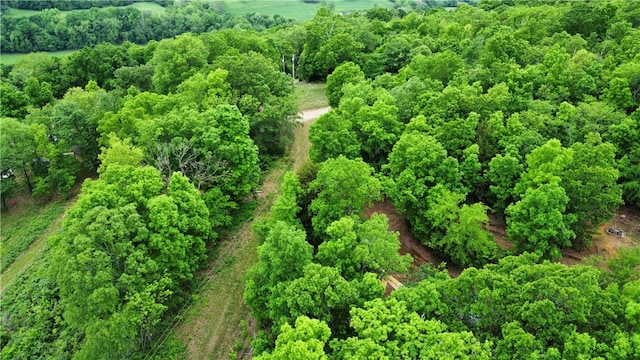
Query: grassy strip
x,y
297,9
310,95
21,229
11,58
218,321
142,6
30,255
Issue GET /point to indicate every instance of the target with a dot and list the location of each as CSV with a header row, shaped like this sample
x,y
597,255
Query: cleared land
x,y
25,230
310,95
10,59
219,322
296,9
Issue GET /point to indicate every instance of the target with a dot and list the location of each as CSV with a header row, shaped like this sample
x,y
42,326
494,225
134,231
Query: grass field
x,y
21,227
149,6
310,95
24,234
142,6
19,12
9,59
296,9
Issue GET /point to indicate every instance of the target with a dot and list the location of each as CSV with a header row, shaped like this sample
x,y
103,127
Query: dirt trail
x,y
408,242
301,145
313,114
212,327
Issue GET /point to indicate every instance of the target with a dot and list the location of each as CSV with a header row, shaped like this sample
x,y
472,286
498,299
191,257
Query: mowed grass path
x,y
218,322
297,9
310,96
24,234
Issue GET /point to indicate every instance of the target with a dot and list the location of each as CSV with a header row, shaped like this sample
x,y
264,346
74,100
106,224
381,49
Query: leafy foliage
x,y
125,249
344,187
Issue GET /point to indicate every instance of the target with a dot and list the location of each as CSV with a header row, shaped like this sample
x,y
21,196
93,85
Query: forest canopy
x,y
519,111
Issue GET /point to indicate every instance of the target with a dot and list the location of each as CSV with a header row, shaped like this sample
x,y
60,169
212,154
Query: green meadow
x,y
10,59
297,9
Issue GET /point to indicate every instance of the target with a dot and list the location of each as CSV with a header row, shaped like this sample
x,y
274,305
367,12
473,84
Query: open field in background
x,y
10,59
149,6
142,6
19,12
310,95
296,9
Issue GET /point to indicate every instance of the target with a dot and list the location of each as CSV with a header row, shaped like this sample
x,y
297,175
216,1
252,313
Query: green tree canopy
x,y
344,187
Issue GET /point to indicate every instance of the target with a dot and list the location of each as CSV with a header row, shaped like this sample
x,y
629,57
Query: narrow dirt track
x,y
213,324
313,114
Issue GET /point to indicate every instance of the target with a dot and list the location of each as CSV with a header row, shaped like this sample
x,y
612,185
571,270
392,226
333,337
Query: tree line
x,y
177,132
52,30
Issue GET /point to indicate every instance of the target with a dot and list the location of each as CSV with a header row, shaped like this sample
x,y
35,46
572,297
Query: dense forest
x,y
524,111
51,30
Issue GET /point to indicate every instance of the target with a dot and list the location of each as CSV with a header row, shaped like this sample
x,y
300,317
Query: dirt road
x,y
213,324
313,114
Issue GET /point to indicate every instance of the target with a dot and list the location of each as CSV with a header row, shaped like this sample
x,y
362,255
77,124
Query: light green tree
x,y
344,187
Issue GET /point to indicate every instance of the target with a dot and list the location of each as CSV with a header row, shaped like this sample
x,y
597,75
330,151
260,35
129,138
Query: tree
x,y
441,66
18,151
281,258
355,248
97,63
263,94
587,175
305,341
378,129
344,187
14,101
347,73
175,60
39,94
119,152
591,182
417,163
322,293
386,329
457,231
331,136
539,222
466,240
503,173
127,248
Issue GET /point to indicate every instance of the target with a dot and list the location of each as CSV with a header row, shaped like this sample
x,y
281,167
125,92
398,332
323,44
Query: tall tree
x,y
344,187
355,248
175,60
538,222
127,246
343,74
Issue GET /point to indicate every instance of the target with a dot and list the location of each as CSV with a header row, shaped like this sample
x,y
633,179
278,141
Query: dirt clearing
x,y
408,242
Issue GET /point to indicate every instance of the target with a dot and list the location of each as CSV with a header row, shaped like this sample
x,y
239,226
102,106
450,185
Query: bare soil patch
x,y
408,242
605,245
